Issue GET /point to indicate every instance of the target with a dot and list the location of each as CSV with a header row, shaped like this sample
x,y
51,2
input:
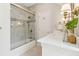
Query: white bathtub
x,y
53,45
22,49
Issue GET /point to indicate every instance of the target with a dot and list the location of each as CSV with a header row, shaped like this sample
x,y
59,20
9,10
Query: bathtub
x,y
21,49
53,45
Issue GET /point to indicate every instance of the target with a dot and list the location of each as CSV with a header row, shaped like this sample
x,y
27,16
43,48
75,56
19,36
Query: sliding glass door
x,y
22,26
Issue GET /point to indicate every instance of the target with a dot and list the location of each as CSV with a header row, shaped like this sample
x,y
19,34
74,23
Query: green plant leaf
x,y
72,24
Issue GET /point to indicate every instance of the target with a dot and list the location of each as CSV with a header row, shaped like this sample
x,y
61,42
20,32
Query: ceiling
x,y
26,4
31,4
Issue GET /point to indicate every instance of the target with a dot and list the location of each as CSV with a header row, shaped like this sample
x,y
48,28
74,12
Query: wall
x,y
55,16
5,31
46,16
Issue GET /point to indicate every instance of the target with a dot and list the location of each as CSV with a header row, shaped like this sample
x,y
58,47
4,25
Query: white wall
x,y
55,16
5,31
46,16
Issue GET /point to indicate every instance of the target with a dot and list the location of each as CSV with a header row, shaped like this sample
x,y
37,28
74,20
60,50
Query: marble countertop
x,y
57,41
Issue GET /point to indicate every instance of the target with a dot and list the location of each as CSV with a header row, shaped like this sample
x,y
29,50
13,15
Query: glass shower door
x,y
19,33
22,32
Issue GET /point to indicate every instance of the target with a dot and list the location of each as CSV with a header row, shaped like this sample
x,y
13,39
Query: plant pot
x,y
71,38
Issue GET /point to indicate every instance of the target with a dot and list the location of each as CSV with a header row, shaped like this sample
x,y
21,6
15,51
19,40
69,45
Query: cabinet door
x,y
4,29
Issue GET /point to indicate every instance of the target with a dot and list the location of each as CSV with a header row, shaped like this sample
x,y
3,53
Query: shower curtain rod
x,y
18,6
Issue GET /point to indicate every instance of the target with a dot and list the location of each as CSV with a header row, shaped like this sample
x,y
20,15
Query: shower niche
x,y
22,26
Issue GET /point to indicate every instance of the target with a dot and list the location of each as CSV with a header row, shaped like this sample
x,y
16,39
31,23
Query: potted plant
x,y
71,25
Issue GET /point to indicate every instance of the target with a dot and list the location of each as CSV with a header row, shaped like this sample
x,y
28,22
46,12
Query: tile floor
x,y
35,51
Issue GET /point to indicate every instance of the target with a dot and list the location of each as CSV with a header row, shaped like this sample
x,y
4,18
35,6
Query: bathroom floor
x,y
35,51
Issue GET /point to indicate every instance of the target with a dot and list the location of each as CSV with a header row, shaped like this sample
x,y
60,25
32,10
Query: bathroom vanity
x,y
53,45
